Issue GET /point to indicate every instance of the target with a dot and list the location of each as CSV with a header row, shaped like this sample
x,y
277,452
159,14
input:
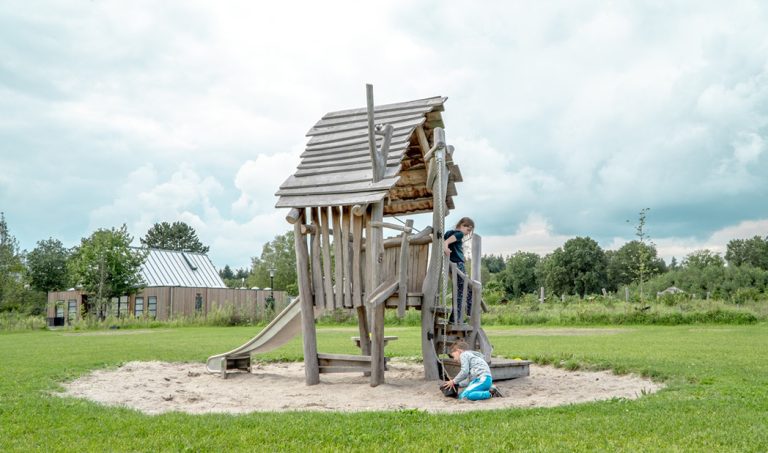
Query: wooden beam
x,y
375,254
346,233
309,334
421,136
317,266
339,244
392,226
325,247
382,292
376,165
357,247
403,290
293,216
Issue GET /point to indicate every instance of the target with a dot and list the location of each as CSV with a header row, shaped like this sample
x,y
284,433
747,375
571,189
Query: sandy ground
x,y
157,387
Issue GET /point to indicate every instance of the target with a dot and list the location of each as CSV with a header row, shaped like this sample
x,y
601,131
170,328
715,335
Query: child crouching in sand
x,y
475,374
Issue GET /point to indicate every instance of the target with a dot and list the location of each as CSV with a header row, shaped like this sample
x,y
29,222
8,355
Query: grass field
x,y
716,397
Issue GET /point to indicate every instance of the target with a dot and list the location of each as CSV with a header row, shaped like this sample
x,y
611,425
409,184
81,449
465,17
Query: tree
x,y
11,269
753,252
494,264
280,255
519,275
576,268
634,261
702,259
226,273
177,236
107,266
47,265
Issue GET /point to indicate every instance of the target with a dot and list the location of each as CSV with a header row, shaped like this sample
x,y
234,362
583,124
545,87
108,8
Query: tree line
x,y
581,267
104,265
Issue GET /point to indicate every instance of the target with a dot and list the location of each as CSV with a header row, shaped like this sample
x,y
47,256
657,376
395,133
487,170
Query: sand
x,y
158,387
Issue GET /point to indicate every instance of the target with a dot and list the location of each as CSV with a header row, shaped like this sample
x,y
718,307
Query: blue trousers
x,y
478,389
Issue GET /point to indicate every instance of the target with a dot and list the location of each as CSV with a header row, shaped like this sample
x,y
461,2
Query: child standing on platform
x,y
452,246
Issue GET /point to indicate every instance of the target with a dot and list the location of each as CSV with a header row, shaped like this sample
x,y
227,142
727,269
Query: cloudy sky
x,y
568,117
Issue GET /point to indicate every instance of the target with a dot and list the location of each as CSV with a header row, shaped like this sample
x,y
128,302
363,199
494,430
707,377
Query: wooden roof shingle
x,y
336,170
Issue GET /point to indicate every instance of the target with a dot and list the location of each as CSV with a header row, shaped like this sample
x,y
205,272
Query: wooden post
x,y
357,245
377,165
326,252
541,295
435,270
309,334
346,252
403,290
626,294
317,268
338,258
375,253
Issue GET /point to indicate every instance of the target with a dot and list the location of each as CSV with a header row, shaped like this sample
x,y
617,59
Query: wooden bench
x,y
387,339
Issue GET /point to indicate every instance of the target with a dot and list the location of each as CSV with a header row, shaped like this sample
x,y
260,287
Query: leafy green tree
x,y
495,264
703,259
634,261
107,266
47,265
177,236
11,270
519,275
753,252
280,255
579,267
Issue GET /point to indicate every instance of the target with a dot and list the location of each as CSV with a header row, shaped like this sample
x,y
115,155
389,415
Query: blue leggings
x,y
478,389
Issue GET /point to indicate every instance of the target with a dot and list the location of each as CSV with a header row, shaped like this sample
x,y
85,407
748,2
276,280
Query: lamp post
x,y
272,288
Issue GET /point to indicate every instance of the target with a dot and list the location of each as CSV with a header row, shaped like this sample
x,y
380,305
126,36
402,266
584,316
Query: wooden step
x,y
345,363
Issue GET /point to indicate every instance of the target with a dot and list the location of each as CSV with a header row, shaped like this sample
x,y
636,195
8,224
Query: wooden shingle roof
x,y
336,169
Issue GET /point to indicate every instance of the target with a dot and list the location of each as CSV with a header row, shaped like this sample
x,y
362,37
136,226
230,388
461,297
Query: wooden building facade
x,y
178,284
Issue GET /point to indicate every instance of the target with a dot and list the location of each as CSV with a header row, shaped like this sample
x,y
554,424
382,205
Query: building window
x,y
120,306
59,309
199,302
72,309
138,309
152,306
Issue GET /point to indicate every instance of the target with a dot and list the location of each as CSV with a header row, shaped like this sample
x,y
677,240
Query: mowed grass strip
x,y
716,397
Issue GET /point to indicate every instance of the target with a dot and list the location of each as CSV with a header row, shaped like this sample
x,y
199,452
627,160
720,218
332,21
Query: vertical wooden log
x,y
338,257
326,251
317,268
477,254
404,268
474,316
375,251
309,334
357,246
365,332
346,231
455,294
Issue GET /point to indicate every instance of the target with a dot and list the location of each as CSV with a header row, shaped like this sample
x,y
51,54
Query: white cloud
x,y
533,235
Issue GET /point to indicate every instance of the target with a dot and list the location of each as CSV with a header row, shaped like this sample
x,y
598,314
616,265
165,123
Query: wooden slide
x,y
285,326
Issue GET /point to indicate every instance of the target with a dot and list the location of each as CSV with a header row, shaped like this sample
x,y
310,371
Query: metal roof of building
x,y
173,268
336,168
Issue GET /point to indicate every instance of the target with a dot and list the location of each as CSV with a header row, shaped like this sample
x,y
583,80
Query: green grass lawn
x,y
716,397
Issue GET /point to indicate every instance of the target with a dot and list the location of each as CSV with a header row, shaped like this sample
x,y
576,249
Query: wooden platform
x,y
345,363
501,369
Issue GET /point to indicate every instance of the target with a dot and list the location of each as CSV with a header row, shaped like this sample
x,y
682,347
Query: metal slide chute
x,y
285,326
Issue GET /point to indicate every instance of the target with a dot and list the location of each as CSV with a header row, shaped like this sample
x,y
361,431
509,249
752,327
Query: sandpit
x,y
158,387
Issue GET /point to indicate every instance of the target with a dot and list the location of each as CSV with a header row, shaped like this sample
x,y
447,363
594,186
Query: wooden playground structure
x,y
360,166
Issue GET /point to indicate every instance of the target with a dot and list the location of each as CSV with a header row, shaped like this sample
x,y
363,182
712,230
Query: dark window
x,y
72,309
152,306
138,309
59,308
199,302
